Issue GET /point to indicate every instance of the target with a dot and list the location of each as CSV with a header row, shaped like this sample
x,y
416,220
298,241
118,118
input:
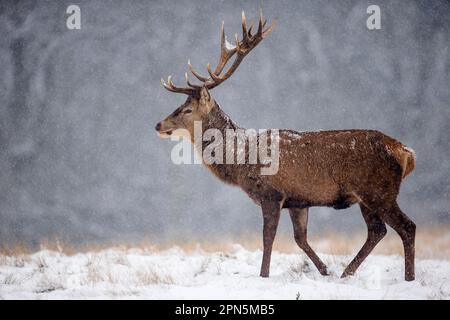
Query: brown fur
x,y
327,168
406,158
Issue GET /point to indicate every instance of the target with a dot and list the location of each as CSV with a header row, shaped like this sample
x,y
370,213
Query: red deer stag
x,y
325,168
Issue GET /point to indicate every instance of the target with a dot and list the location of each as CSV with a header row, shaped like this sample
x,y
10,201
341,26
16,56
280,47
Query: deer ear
x,y
205,99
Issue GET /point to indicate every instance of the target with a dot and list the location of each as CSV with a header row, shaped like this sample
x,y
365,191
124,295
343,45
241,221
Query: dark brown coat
x,y
326,168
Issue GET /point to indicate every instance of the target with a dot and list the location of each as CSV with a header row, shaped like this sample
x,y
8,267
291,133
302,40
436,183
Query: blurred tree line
x,y
78,156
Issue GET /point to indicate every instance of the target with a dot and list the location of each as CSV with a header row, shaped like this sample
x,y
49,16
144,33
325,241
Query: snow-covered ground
x,y
178,274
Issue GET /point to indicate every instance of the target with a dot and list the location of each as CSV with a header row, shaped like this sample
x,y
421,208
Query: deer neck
x,y
218,120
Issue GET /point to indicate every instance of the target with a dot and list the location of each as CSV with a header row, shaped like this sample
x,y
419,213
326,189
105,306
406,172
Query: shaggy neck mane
x,y
217,119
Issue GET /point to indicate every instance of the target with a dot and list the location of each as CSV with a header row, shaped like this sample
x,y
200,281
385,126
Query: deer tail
x,y
406,158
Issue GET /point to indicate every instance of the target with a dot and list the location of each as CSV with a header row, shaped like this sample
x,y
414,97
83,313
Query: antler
x,y
171,87
227,51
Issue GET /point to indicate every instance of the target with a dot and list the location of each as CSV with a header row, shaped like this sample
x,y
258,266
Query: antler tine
x,y
249,32
194,86
244,28
171,87
222,36
226,52
261,23
213,75
238,44
197,75
269,29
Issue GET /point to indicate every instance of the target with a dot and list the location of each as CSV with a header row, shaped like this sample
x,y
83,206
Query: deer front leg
x,y
271,215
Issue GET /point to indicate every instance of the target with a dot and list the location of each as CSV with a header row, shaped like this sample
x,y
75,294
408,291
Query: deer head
x,y
199,102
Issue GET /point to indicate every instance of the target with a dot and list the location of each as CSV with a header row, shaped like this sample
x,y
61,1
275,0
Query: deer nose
x,y
158,126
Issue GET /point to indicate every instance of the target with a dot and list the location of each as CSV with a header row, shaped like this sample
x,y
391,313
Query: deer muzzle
x,y
163,133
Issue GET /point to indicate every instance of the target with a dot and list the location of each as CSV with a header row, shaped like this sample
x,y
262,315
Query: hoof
x,y
324,272
264,274
346,274
410,278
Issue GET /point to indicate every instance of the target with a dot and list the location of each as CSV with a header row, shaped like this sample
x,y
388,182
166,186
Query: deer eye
x,y
187,111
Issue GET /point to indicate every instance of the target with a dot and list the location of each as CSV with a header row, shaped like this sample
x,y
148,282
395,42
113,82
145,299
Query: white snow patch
x,y
293,135
177,274
413,153
228,45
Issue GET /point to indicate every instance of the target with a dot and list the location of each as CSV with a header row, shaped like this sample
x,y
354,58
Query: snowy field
x,y
174,273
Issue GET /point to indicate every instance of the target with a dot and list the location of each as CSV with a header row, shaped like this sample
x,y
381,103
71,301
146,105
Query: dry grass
x,y
431,243
16,249
150,276
298,269
10,279
94,275
48,284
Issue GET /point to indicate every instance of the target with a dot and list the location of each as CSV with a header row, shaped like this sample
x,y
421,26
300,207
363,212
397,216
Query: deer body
x,y
325,168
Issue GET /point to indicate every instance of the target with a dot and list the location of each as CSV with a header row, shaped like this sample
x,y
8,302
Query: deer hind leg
x,y
299,219
406,229
376,230
271,215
